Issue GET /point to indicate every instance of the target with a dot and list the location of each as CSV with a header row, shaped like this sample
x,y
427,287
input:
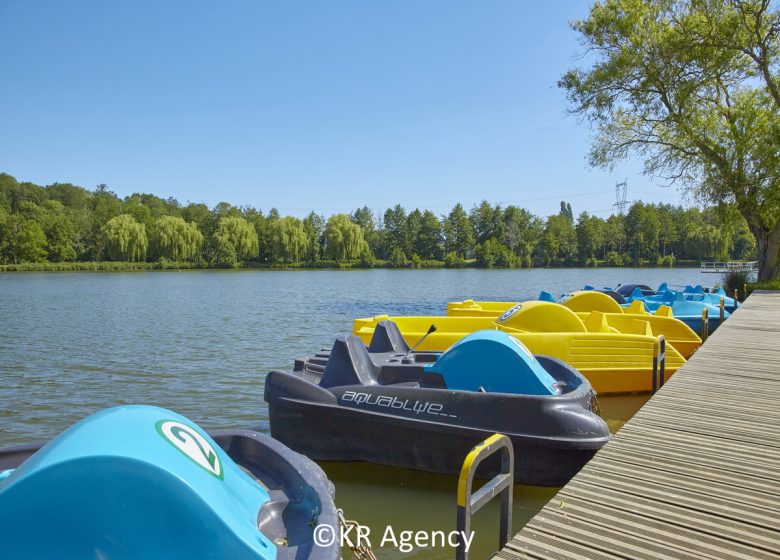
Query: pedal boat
x,y
144,482
687,311
698,293
584,302
426,411
613,362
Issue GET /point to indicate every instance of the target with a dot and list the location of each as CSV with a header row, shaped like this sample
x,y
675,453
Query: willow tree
x,y
175,239
125,239
288,239
693,88
344,238
234,239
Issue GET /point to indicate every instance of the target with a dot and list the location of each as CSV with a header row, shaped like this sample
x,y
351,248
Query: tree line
x,y
67,223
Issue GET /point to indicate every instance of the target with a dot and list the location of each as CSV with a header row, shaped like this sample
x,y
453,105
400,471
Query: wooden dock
x,y
695,474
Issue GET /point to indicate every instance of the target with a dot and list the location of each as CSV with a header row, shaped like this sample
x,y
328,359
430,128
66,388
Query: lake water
x,y
200,343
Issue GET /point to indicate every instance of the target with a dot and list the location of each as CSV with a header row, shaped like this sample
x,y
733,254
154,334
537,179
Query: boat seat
x,y
387,337
349,364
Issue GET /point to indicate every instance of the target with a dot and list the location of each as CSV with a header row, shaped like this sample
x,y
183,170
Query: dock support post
x,y
722,310
705,324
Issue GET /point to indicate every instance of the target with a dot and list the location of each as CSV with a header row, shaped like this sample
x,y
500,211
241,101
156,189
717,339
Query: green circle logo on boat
x,y
192,444
509,312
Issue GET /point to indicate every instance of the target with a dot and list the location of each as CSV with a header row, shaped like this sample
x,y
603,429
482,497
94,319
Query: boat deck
x,y
695,474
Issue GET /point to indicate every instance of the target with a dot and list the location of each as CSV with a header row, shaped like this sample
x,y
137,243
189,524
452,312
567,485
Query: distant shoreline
x,y
113,266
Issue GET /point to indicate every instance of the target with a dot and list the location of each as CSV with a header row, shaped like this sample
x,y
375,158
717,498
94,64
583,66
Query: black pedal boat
x,y
384,404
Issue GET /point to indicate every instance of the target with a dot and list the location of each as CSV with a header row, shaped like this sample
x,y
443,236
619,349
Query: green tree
x,y
125,239
705,242
559,240
427,242
395,230
494,253
235,240
314,226
21,240
105,205
615,235
364,217
398,258
487,222
59,231
591,232
458,232
174,239
566,211
288,239
522,231
692,87
643,230
344,239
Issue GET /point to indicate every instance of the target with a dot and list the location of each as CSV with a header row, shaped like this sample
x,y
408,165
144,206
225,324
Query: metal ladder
x,y
501,484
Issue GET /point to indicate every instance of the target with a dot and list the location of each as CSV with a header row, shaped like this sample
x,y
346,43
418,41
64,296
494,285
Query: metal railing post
x,y
502,484
659,363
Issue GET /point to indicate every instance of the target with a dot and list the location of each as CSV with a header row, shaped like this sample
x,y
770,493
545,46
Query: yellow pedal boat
x,y
613,362
583,303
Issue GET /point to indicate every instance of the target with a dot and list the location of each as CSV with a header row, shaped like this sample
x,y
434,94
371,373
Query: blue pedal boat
x,y
686,310
144,482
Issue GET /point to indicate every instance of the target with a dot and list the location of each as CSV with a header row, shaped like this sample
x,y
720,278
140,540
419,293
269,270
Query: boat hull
x,y
406,443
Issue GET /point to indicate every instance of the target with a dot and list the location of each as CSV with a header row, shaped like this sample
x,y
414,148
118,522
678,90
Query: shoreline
x,y
117,266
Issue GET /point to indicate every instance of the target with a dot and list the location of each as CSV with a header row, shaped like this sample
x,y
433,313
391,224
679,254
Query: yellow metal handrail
x,y
501,484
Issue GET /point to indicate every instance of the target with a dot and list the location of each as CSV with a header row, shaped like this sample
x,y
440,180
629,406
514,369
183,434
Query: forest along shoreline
x,y
66,227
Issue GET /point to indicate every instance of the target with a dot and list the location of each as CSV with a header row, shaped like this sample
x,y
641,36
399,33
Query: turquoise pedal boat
x,y
144,482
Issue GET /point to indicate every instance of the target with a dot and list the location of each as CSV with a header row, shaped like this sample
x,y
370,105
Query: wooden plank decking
x,y
695,474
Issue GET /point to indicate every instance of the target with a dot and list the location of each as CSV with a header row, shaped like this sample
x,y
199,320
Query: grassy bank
x,y
770,285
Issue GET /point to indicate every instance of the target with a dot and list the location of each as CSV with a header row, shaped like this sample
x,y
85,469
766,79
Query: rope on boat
x,y
360,550
595,407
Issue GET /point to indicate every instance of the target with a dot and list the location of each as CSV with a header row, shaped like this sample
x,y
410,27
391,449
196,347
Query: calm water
x,y
200,342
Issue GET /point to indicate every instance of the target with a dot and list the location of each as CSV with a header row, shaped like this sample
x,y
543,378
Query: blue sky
x,y
301,105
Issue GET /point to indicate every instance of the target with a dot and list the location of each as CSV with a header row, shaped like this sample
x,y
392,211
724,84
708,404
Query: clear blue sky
x,y
302,105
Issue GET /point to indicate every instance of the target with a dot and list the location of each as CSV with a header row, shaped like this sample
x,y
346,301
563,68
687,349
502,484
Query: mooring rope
x,y
361,551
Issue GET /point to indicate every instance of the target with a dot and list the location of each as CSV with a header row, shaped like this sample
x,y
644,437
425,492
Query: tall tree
x,y
314,226
591,232
486,220
458,232
175,239
396,231
559,240
522,231
692,87
364,217
288,239
235,240
427,243
125,239
643,230
59,231
344,238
